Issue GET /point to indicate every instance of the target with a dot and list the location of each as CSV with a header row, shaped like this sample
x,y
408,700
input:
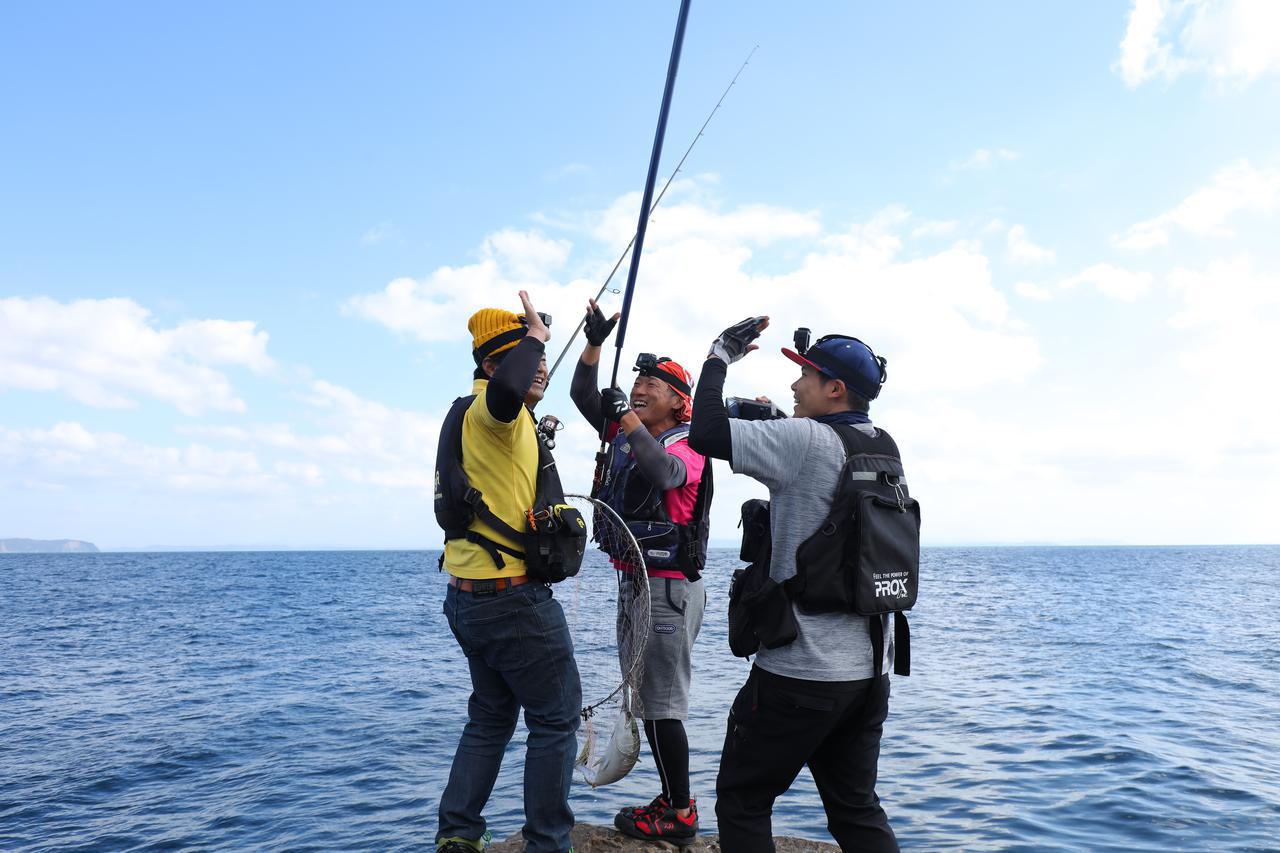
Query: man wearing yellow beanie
x,y
511,629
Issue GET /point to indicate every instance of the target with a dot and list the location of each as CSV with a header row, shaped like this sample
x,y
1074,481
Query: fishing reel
x,y
547,428
745,409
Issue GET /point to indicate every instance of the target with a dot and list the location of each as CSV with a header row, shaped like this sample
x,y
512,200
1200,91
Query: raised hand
x,y
597,328
735,341
536,327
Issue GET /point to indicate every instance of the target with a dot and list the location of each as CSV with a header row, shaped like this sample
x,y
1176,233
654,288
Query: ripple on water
x,y
313,701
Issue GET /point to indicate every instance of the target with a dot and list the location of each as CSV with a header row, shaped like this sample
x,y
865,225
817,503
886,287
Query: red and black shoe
x,y
663,824
632,812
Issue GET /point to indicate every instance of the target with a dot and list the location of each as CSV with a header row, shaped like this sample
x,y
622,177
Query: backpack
x,y
865,557
555,535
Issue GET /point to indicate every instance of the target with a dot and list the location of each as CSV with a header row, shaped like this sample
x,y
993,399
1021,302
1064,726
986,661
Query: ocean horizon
x,y
1062,698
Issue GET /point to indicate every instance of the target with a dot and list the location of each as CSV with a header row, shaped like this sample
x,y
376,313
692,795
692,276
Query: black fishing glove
x,y
614,404
733,341
597,328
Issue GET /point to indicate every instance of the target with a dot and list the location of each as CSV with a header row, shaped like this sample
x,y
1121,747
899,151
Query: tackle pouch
x,y
659,543
760,611
756,537
555,542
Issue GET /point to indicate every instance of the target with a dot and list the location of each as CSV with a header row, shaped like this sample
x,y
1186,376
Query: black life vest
x,y
664,544
864,558
555,536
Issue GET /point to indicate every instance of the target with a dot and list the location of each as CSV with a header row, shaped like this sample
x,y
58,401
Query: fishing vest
x,y
864,558
555,534
663,543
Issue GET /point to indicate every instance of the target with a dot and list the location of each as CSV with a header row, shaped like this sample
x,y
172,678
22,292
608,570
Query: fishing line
x,y
656,202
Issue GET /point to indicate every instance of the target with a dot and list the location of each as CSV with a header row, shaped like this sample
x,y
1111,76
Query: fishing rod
x,y
647,201
657,201
637,242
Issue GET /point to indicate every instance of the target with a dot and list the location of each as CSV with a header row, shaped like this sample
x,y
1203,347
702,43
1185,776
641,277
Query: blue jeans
x,y
521,656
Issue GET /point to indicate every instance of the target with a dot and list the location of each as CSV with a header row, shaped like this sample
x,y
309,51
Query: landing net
x,y
608,614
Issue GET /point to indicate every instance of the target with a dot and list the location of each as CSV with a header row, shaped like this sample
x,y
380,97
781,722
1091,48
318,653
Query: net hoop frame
x,y
641,581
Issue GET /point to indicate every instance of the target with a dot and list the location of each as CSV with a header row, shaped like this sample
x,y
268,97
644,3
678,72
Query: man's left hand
x,y
735,341
614,404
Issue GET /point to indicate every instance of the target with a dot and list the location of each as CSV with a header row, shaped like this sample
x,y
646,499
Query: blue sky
x,y
238,246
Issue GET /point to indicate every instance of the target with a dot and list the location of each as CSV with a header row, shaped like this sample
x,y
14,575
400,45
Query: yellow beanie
x,y
494,330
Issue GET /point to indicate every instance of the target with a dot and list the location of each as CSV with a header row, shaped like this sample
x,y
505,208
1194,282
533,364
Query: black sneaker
x,y
663,824
455,847
464,845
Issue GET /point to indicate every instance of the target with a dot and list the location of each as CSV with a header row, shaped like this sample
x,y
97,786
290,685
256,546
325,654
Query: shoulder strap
x,y
856,441
673,435
475,500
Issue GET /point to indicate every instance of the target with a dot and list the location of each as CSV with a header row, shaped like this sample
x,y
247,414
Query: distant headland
x,y
46,546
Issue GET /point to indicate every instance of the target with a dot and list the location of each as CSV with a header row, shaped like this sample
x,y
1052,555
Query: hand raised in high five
x,y
735,341
532,319
597,328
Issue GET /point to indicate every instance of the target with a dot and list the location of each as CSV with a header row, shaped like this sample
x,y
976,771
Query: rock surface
x,y
598,839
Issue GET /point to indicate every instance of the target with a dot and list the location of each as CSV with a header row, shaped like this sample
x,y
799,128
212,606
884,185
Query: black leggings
x,y
670,747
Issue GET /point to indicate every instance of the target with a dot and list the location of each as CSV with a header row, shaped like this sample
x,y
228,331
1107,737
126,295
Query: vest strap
x,y
493,549
876,475
875,626
901,644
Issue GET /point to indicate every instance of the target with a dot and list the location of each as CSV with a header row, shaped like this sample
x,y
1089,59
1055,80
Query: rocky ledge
x,y
598,839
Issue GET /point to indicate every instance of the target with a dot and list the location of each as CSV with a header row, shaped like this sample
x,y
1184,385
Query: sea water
x,y
1060,699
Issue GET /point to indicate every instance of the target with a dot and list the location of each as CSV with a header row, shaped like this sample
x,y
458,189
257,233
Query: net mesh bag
x,y
607,607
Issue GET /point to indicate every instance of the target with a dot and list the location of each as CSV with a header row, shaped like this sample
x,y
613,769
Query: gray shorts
x,y
676,607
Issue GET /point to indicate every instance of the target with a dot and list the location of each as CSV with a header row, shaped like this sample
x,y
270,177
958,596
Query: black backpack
x,y
865,558
555,535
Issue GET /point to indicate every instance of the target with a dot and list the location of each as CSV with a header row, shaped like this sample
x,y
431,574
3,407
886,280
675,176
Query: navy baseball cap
x,y
847,359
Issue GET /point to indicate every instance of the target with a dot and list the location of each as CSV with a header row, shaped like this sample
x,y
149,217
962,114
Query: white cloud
x,y
754,224
1118,283
436,308
1033,291
1224,294
1022,251
69,453
1121,284
1230,351
1228,40
107,352
855,281
985,158
1236,188
1143,55
935,228
364,441
361,441
227,342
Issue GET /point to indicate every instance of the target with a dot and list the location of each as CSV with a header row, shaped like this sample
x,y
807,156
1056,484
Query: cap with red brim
x,y
804,362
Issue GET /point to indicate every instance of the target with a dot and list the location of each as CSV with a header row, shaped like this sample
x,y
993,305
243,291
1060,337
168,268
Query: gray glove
x,y
733,341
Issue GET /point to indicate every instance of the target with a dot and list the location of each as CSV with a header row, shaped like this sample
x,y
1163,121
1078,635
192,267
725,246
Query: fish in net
x,y
608,614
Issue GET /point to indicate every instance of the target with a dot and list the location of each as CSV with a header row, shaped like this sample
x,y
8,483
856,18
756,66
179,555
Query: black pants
x,y
776,726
